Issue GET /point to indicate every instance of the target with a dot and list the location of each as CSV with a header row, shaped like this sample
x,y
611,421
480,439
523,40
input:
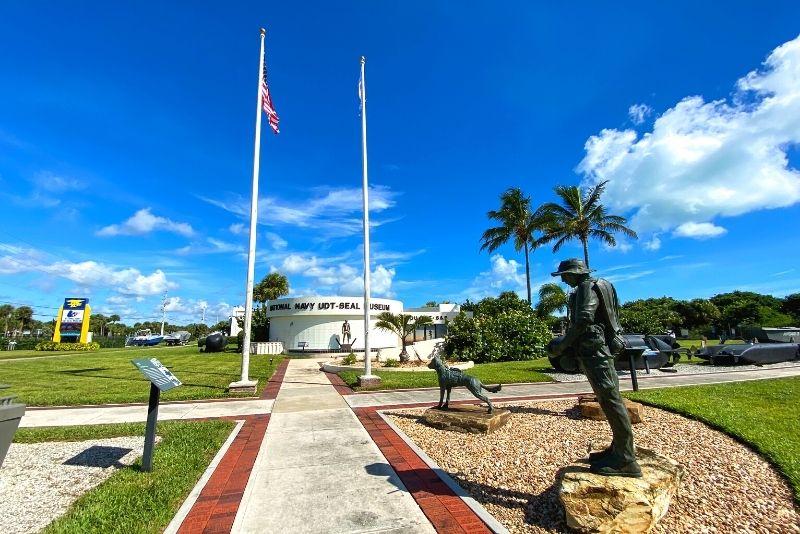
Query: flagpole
x,y
245,384
367,353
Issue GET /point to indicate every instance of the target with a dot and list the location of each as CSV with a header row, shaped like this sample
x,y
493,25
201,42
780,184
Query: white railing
x,y
266,347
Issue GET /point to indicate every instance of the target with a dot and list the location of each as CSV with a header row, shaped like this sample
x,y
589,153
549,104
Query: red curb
x,y
216,507
339,385
274,384
443,508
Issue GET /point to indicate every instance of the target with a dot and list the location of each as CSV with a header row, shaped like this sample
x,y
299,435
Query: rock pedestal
x,y
369,381
466,418
591,409
597,503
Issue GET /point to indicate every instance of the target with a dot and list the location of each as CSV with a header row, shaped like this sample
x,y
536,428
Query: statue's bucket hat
x,y
572,265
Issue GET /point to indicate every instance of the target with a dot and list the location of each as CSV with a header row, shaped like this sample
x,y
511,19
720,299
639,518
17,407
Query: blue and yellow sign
x,y
72,324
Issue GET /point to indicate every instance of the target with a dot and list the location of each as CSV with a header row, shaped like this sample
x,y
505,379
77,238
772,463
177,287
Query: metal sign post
x,y
161,379
634,353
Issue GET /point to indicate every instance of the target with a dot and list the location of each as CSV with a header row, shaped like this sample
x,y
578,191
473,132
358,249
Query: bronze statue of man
x,y
593,315
346,332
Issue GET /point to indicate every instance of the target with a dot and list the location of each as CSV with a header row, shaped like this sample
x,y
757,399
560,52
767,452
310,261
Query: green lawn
x,y
762,413
488,373
132,501
108,376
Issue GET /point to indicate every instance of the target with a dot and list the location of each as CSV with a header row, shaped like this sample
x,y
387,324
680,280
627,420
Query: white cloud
x,y
653,244
331,212
223,246
277,242
504,275
628,276
639,112
698,230
380,283
237,229
704,160
48,181
86,274
143,222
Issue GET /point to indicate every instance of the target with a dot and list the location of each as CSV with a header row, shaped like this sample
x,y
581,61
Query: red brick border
x,y
216,507
274,384
339,385
443,508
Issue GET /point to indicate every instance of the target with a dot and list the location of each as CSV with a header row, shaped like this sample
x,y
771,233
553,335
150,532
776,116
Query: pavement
x,y
315,460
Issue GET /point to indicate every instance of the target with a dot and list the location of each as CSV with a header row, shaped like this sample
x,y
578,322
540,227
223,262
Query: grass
x,y
108,376
132,501
488,373
761,413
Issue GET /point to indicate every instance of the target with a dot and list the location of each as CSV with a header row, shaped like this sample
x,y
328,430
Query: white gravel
x,y
39,482
512,472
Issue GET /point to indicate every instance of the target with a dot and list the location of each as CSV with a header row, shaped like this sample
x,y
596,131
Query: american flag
x,y
266,103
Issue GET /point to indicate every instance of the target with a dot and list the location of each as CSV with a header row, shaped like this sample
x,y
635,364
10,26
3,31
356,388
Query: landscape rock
x,y
604,504
591,409
466,418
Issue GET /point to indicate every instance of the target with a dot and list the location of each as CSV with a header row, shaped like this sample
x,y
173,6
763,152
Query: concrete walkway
x,y
318,470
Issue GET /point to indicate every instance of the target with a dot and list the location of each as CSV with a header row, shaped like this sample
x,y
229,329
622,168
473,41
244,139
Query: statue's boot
x,y
598,456
631,469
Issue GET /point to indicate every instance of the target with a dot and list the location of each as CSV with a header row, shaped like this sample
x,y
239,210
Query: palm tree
x,y
6,312
24,315
403,325
580,217
113,319
517,223
551,299
271,287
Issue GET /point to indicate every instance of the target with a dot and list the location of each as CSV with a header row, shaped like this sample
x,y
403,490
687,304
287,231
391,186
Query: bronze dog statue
x,y
450,377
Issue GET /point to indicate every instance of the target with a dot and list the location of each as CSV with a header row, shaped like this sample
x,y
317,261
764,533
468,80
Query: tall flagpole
x,y
367,352
245,383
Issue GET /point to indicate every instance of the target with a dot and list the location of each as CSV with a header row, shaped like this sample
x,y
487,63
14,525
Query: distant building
x,y
315,323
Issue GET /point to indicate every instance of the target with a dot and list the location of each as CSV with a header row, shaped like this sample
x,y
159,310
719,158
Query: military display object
x,y
593,337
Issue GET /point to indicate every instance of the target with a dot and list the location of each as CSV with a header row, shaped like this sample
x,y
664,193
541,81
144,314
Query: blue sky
x,y
126,142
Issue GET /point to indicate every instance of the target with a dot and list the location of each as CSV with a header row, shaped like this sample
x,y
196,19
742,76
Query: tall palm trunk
x,y
585,242
528,273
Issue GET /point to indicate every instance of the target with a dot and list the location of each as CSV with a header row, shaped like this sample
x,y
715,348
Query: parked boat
x,y
181,337
144,338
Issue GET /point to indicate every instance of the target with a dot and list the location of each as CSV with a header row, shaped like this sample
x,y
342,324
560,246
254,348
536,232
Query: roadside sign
x,y
160,376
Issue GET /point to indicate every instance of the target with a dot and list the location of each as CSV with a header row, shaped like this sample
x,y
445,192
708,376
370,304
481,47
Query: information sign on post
x,y
161,379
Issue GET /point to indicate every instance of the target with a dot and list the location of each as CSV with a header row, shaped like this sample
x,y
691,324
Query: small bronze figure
x,y
346,332
593,335
450,377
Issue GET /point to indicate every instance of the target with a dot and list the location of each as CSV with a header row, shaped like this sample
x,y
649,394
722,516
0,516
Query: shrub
x,y
508,335
350,359
53,346
22,343
391,362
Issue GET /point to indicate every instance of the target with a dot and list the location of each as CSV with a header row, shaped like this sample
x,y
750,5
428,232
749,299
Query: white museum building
x,y
322,324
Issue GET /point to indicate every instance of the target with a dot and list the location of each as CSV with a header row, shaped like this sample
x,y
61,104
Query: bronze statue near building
x,y
593,337
346,332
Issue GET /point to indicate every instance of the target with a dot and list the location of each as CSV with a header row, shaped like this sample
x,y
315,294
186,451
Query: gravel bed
x,y
40,481
512,472
680,368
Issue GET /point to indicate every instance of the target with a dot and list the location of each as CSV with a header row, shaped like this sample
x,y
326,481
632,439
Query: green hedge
x,y
23,343
52,346
497,337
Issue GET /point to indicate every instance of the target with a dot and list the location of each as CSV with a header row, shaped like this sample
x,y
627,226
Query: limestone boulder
x,y
467,418
591,409
605,504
